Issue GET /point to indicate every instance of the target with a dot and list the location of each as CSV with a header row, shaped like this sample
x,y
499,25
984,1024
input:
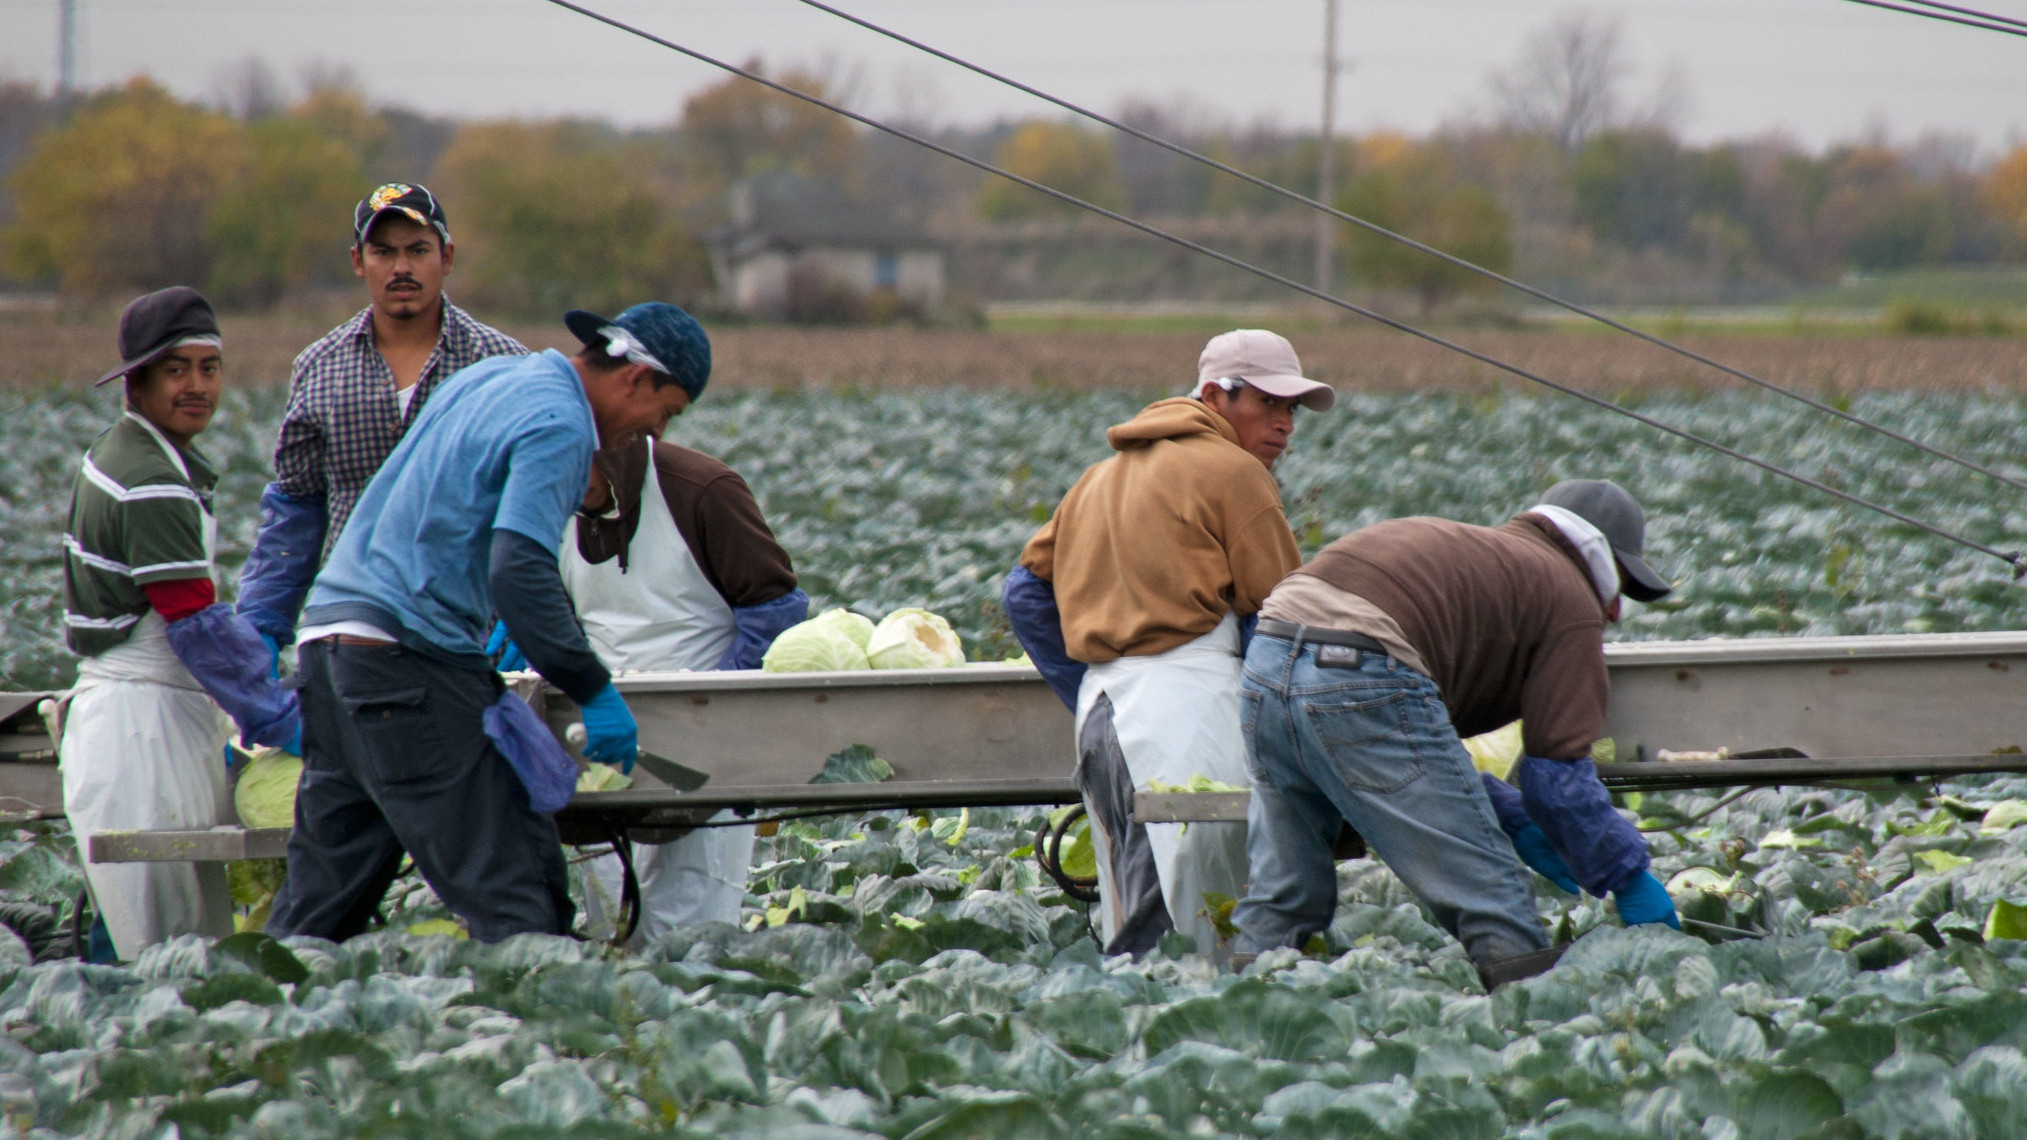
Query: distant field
x,y
40,353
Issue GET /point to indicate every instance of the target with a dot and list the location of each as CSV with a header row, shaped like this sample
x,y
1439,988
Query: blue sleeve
x,y
226,655
1506,804
548,470
1574,810
528,593
1037,623
756,627
283,562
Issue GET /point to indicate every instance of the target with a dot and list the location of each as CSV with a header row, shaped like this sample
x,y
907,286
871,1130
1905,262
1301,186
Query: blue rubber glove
x,y
501,648
1529,842
1535,850
274,656
295,745
1643,900
610,735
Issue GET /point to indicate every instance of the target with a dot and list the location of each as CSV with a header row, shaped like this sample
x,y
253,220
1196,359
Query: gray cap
x,y
1606,505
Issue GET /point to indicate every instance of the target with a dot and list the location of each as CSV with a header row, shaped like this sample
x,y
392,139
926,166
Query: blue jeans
x,y
1371,744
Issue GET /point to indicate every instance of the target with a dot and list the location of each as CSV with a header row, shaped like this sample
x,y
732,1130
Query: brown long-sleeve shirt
x,y
713,509
1505,619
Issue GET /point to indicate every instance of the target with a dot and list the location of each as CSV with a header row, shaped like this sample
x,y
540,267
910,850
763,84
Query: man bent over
x,y
1369,664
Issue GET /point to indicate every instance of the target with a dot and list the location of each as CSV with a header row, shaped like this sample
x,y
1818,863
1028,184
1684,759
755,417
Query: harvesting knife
x,y
681,777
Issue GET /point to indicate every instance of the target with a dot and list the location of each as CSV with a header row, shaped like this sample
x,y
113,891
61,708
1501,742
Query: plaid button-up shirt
x,y
342,419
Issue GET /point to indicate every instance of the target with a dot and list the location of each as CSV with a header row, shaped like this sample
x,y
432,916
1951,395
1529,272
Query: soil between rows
x,y
259,349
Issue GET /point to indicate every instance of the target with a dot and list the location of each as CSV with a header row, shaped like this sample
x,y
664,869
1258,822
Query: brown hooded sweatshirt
x,y
1155,545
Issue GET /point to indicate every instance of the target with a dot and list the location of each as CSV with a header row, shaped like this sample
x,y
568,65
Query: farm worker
x,y
354,393
671,567
1373,659
143,741
413,742
1131,600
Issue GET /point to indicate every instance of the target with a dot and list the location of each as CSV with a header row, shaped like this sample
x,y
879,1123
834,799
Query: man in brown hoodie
x,y
1131,600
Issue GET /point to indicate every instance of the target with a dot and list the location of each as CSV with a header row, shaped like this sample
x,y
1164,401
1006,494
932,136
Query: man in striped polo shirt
x,y
143,740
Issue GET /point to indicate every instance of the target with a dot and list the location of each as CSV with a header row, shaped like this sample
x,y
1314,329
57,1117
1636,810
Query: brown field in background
x,y
69,352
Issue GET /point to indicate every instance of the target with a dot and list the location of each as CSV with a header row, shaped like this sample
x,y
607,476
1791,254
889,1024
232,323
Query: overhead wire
x,y
2012,558
1969,12
1378,230
2007,26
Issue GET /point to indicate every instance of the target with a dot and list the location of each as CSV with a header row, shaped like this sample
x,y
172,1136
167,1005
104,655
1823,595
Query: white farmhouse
x,y
797,249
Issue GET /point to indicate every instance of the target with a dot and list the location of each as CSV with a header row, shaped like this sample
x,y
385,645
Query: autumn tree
x,y
1642,188
1057,155
1414,190
2005,192
119,200
285,221
736,128
560,215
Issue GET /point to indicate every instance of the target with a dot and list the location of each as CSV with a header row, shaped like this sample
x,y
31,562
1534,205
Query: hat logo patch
x,y
388,193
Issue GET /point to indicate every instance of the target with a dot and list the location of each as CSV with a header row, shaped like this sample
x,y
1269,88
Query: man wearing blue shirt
x,y
463,521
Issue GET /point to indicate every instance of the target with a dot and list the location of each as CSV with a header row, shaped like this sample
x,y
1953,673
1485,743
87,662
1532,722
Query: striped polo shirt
x,y
136,517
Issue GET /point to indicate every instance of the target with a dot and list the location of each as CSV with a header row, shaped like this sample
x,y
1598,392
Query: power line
x,y
1969,12
1422,247
2012,558
2010,27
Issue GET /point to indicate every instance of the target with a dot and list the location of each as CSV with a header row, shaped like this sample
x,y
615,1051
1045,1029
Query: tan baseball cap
x,y
1266,361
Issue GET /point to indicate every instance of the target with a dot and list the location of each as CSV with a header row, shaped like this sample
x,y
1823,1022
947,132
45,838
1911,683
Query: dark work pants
x,y
397,759
1108,796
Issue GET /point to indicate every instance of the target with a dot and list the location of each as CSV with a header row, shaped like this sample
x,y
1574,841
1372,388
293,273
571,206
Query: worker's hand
x,y
1534,850
610,735
501,648
1643,900
274,658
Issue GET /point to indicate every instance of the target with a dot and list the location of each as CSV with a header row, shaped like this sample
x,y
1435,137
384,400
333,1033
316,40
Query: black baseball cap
x,y
1607,506
157,322
411,200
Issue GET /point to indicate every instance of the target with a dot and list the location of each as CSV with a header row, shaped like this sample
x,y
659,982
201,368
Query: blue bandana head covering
x,y
659,335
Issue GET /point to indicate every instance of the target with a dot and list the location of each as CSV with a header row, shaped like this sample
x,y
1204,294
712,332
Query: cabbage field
x,y
913,976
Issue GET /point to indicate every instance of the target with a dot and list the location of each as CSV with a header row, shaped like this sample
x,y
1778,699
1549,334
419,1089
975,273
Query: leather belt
x,y
1315,635
355,639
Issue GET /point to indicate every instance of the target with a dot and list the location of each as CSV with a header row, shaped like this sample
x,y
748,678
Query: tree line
x,y
131,187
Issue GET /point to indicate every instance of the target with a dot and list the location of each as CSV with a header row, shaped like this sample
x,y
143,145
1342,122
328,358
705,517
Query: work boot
x,y
1515,967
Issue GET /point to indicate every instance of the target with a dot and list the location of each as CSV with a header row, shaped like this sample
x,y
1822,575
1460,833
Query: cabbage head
x,y
266,793
815,646
858,627
914,639
1496,751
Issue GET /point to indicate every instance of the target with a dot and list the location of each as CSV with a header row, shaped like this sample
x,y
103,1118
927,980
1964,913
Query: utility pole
x,y
66,47
1326,173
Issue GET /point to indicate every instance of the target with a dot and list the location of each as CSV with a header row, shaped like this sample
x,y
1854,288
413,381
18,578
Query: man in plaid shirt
x,y
353,394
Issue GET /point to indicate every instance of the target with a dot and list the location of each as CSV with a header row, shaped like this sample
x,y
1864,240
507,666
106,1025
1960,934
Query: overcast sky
x,y
1821,70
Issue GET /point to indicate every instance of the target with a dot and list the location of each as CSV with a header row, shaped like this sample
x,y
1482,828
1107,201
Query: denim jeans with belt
x,y
1367,740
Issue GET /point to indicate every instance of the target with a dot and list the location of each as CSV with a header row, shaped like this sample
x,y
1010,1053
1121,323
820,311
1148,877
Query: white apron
x,y
143,748
663,614
1177,716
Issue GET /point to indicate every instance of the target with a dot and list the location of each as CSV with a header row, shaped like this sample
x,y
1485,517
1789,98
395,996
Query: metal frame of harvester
x,y
1888,711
